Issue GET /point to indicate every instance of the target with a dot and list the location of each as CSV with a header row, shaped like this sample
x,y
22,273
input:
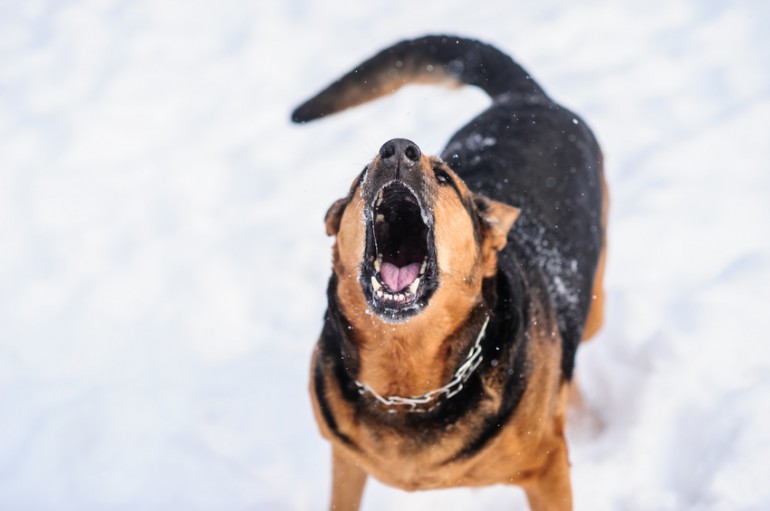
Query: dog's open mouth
x,y
399,265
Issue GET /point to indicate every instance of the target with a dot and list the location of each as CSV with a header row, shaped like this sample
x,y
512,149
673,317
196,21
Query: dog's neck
x,y
413,357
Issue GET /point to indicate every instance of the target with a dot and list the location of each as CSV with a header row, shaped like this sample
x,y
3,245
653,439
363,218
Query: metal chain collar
x,y
462,374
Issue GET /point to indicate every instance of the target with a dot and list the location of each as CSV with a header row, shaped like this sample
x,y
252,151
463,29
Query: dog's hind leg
x,y
348,482
596,311
595,317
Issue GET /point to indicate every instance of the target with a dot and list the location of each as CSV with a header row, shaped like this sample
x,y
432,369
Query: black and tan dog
x,y
449,341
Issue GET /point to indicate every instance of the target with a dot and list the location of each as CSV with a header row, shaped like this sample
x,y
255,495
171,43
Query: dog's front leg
x,y
551,490
348,482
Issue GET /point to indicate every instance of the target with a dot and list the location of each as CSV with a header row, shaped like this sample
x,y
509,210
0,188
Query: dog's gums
x,y
398,271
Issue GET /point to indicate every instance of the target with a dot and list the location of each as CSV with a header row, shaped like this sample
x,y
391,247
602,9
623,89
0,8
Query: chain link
x,y
454,386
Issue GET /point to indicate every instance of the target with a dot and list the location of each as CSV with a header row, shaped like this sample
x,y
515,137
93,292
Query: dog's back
x,y
524,150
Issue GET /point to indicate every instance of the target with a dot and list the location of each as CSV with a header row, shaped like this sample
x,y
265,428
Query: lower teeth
x,y
403,297
397,297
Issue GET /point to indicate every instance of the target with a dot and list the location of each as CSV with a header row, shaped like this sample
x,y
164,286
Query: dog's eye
x,y
442,176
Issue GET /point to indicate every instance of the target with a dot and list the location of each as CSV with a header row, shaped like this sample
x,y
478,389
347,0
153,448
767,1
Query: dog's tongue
x,y
396,278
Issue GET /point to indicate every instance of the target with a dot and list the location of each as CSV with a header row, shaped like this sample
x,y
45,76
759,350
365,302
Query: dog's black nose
x,y
394,150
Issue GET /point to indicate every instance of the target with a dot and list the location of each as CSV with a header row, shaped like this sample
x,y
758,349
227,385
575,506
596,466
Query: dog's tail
x,y
442,60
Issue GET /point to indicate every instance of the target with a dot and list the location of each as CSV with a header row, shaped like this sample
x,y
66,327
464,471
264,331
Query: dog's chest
x,y
421,462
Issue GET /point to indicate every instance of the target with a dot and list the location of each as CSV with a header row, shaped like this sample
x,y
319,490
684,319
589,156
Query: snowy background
x,y
163,258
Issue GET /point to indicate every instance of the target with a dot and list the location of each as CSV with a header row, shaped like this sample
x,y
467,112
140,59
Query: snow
x,y
164,262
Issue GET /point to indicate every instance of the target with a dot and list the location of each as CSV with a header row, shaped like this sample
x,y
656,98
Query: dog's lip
x,y
378,197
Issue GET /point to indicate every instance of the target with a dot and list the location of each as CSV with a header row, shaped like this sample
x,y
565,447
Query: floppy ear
x,y
497,219
334,216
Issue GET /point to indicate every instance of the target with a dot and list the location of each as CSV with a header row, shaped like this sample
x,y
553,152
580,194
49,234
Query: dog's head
x,y
410,234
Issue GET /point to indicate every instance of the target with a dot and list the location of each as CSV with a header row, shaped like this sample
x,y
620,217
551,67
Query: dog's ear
x,y
497,218
334,216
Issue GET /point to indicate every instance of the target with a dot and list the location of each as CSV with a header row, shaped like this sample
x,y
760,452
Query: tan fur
x,y
344,95
411,358
348,482
530,451
416,344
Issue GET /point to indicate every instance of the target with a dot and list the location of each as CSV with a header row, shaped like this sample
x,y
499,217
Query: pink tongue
x,y
396,278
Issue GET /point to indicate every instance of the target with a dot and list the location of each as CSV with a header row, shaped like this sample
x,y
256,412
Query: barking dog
x,y
461,286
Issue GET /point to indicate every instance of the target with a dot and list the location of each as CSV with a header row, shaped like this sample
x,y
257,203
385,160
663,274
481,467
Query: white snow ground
x,y
163,262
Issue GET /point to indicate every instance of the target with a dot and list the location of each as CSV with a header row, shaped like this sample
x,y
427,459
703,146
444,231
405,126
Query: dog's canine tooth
x,y
414,285
375,284
424,266
379,218
378,263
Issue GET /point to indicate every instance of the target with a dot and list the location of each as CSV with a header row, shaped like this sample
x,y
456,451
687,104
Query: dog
x,y
461,286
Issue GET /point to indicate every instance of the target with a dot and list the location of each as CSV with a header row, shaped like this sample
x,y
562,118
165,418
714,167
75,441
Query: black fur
x,y
323,404
533,154
464,60
524,150
504,352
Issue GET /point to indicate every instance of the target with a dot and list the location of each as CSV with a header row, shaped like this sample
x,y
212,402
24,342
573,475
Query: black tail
x,y
432,59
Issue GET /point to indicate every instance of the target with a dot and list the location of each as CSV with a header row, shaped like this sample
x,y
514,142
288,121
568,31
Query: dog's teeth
x,y
379,218
375,284
378,263
379,199
413,286
379,293
424,265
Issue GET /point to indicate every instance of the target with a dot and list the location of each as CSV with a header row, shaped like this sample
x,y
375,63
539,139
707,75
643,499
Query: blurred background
x,y
163,259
